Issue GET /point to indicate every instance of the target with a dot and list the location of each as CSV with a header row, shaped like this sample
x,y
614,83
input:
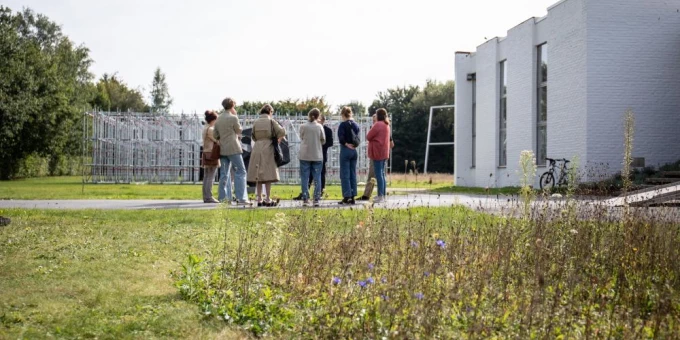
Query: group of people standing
x,y
225,130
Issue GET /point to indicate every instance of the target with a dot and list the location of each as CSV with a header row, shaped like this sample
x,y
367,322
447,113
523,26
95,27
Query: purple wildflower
x,y
414,244
370,266
384,297
426,274
362,284
336,280
383,280
370,280
419,296
441,244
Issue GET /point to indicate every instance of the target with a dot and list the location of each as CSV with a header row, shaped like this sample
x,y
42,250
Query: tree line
x,y
46,85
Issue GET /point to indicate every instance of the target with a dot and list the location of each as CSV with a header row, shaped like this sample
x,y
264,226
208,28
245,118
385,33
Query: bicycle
x,y
548,177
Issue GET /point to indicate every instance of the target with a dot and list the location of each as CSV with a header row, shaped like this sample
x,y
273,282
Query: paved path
x,y
393,202
504,205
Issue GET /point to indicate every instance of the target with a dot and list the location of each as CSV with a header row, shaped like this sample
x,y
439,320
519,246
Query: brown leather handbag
x,y
215,153
207,159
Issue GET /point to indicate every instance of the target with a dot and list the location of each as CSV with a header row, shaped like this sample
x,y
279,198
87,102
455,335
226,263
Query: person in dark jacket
x,y
329,143
348,155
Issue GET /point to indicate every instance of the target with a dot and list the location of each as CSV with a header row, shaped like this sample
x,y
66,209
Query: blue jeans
x,y
379,167
224,188
348,171
315,168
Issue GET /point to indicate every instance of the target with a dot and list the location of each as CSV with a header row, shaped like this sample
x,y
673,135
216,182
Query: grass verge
x,y
71,187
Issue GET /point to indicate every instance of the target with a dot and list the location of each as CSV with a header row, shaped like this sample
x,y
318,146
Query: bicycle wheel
x,y
547,180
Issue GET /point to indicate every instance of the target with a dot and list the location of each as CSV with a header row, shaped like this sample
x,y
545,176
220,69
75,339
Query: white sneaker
x,y
379,199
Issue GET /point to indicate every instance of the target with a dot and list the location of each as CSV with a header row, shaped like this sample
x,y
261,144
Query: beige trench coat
x,y
262,167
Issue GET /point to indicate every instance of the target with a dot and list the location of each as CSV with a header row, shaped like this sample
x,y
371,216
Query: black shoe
x,y
298,198
351,201
363,198
344,201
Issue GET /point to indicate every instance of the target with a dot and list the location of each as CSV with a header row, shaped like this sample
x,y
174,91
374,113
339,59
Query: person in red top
x,y
379,150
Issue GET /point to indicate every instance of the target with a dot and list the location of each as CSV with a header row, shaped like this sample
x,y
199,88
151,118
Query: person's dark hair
x,y
267,109
210,116
313,114
382,116
228,103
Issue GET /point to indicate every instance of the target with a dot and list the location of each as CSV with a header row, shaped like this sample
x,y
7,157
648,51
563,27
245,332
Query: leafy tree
x,y
435,94
112,94
357,108
286,106
409,109
160,96
44,88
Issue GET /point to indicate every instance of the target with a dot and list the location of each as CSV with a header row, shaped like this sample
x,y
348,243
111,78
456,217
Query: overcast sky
x,y
276,49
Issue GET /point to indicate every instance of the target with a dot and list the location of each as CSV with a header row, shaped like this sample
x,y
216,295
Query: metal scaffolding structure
x,y
126,147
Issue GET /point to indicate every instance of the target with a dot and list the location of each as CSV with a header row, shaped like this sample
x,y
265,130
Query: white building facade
x,y
560,85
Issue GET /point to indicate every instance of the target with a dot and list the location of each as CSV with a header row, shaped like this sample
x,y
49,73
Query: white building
x,y
560,85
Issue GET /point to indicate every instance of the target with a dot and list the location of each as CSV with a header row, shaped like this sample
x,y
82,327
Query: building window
x,y
503,116
474,120
542,110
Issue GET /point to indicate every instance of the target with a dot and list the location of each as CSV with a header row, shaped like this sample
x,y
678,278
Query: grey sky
x,y
270,50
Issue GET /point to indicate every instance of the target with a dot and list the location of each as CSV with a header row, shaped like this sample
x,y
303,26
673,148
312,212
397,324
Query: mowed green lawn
x,y
105,274
73,188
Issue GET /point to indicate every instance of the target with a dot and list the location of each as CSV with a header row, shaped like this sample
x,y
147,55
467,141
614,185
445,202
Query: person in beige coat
x,y
227,132
262,169
209,167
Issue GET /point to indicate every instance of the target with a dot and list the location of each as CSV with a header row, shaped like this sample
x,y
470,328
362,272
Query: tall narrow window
x,y
503,116
474,120
542,110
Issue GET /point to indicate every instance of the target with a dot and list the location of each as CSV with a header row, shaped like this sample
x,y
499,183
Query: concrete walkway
x,y
393,202
502,205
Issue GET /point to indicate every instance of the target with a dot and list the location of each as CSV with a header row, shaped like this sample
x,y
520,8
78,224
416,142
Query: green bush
x,y
37,166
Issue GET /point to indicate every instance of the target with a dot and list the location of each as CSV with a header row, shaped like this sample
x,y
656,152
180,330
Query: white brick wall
x,y
634,62
604,56
465,176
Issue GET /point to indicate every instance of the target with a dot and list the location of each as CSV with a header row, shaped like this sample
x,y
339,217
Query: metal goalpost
x,y
429,133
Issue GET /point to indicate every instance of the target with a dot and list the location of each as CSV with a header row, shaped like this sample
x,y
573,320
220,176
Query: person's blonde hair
x,y
228,103
267,109
346,112
313,114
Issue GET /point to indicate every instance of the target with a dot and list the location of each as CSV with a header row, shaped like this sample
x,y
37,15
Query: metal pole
x,y
429,133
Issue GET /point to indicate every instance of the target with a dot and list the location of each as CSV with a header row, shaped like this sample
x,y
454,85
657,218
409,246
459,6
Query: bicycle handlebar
x,y
552,160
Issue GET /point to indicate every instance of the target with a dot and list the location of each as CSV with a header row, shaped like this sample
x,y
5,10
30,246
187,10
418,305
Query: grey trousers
x,y
208,179
368,190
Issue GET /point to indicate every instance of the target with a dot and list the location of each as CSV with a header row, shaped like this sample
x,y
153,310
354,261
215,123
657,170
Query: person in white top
x,y
312,139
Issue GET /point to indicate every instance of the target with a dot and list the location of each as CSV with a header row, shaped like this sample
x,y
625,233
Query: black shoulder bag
x,y
279,156
354,138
